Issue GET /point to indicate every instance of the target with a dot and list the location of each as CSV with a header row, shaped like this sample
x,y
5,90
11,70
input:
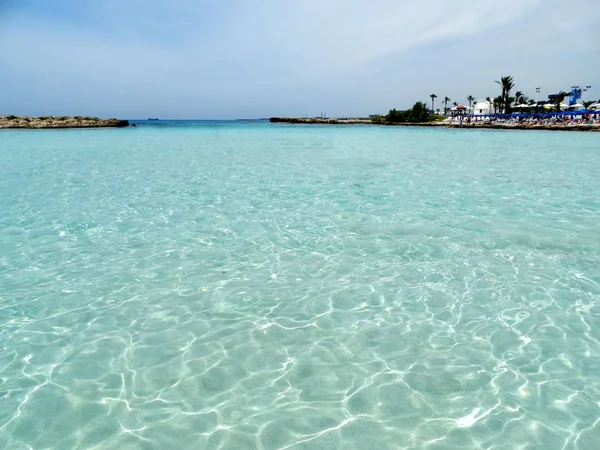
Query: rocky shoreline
x,y
496,126
318,120
30,122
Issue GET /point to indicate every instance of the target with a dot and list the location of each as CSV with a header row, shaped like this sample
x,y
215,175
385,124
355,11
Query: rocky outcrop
x,y
318,120
60,122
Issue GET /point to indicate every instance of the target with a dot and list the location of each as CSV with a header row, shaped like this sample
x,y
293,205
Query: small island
x,y
45,122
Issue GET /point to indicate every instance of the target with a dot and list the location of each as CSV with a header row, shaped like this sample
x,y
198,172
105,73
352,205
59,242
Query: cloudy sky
x,y
261,58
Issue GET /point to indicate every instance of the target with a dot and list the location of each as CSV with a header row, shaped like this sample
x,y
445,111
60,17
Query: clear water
x,y
241,286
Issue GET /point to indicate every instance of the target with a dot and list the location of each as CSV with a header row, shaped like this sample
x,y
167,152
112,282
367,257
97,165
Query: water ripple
x,y
267,287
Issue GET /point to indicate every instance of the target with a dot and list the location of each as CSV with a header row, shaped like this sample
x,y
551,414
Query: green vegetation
x,y
497,102
504,103
417,114
437,118
507,84
446,100
470,99
433,97
559,99
395,116
377,118
520,98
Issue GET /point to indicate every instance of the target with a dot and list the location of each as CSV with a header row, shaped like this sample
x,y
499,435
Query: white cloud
x,y
237,58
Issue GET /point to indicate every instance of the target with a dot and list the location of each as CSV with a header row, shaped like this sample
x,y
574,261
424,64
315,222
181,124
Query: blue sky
x,y
243,58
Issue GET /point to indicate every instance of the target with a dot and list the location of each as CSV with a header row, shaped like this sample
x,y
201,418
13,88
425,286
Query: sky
x,y
227,59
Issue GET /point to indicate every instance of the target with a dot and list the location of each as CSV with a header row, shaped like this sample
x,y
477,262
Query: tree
x,y
587,104
418,113
507,84
433,97
498,102
559,99
519,98
395,116
470,99
454,104
509,101
446,100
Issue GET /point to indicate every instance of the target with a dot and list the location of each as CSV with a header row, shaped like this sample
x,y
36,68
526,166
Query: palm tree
x,y
509,101
587,104
559,99
471,99
519,98
498,102
446,100
433,97
507,84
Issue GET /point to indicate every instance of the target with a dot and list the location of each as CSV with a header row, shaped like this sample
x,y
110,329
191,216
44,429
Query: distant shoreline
x,y
498,126
501,126
63,122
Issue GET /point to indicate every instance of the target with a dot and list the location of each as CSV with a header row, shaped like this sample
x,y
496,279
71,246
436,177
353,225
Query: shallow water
x,y
239,286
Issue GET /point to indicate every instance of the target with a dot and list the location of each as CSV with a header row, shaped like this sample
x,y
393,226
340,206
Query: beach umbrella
x,y
577,105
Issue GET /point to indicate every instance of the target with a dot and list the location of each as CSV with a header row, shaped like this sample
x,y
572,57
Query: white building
x,y
483,107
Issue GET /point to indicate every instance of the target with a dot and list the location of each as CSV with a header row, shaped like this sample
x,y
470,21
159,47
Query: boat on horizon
x,y
149,118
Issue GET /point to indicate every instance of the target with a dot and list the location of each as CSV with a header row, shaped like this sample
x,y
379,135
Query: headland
x,y
556,126
30,122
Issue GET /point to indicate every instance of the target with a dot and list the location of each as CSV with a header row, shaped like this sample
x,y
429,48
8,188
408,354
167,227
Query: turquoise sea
x,y
227,285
